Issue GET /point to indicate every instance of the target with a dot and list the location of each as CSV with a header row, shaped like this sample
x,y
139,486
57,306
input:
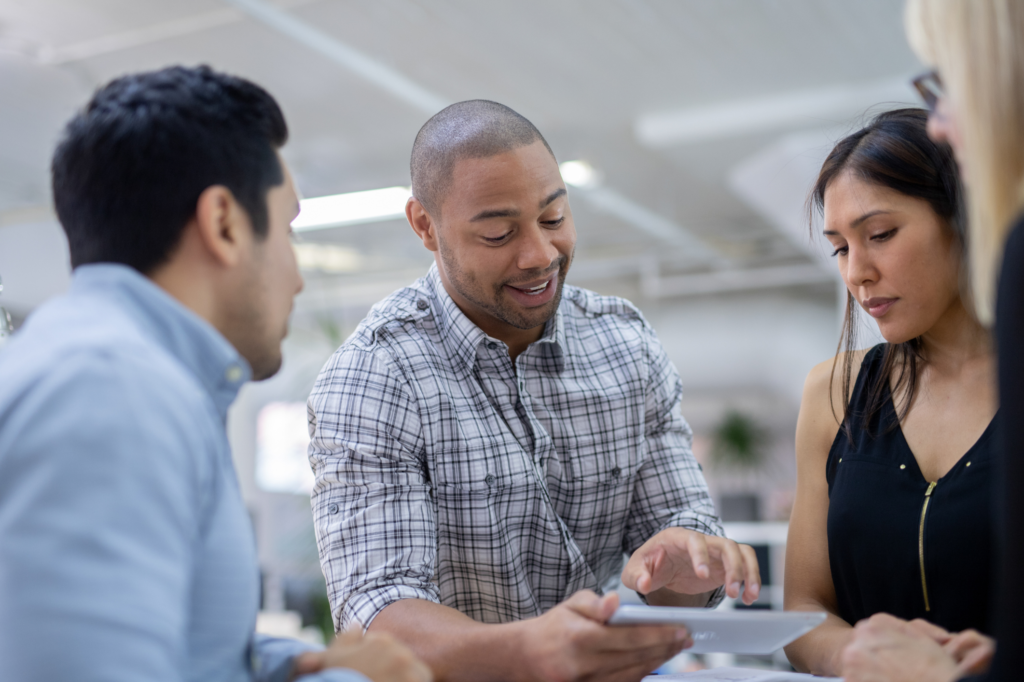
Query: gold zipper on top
x,y
920,542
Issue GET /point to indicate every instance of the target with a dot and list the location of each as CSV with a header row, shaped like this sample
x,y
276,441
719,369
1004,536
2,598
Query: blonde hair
x,y
978,48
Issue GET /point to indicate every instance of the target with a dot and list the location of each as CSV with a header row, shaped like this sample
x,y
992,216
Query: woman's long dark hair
x,y
892,151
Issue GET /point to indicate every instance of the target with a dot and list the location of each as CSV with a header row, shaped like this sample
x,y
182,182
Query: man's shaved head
x,y
474,129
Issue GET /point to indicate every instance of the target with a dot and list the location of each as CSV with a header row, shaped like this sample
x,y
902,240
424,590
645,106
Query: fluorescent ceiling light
x,y
579,174
328,258
353,208
803,108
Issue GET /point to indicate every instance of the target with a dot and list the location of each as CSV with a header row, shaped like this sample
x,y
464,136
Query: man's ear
x,y
223,225
422,224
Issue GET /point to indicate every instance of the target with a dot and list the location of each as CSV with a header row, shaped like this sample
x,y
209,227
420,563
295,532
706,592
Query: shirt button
x,y
422,305
233,373
332,509
489,479
616,472
492,345
903,466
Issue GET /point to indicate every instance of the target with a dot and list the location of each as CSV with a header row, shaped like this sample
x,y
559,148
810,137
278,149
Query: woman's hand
x,y
887,649
971,650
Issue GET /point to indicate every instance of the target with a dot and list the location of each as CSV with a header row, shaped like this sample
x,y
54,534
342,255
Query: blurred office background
x,y
693,128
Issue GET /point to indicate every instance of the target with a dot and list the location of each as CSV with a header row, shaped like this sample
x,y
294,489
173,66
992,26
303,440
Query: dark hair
x,y
473,129
131,165
893,151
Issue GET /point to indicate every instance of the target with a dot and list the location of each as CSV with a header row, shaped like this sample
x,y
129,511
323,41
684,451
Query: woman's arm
x,y
808,576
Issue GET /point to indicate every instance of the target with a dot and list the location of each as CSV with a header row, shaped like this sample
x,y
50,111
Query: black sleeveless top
x,y
897,543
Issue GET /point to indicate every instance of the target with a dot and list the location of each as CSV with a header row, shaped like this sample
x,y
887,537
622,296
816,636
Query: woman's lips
x,y
878,306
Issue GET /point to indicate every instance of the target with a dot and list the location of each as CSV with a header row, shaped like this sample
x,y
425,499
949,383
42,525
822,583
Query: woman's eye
x,y
883,236
554,223
839,250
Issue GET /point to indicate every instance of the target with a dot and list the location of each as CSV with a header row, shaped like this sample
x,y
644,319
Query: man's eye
x,y
497,240
554,223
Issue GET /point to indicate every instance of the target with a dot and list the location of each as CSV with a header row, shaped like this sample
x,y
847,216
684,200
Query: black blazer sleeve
x,y
1009,599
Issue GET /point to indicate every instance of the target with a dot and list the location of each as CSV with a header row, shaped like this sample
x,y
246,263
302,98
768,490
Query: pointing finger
x,y
751,574
698,549
732,562
653,576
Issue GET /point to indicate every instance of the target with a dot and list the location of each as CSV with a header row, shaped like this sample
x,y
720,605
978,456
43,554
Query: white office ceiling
x,y
724,79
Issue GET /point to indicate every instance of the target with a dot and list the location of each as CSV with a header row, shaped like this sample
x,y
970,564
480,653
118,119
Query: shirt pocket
x,y
480,460
602,442
610,459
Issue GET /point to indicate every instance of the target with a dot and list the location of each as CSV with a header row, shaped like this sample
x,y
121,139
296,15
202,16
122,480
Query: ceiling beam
x,y
360,64
137,37
609,201
145,35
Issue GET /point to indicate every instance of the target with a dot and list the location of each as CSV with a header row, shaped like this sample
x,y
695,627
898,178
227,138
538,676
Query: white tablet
x,y
744,631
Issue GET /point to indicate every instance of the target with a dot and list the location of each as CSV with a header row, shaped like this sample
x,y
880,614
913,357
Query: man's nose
x,y
536,250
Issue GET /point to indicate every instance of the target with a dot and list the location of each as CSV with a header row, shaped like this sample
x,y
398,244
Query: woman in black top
x,y
977,105
894,444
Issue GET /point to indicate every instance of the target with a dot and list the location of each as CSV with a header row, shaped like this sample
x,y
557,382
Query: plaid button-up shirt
x,y
445,473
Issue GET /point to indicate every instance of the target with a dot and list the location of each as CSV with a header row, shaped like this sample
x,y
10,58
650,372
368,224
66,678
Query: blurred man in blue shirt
x,y
126,552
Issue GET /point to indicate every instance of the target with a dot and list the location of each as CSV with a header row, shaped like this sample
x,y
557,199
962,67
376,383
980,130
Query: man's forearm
x,y
666,597
455,646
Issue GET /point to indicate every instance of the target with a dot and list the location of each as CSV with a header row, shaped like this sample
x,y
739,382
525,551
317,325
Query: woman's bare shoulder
x,y
823,404
826,378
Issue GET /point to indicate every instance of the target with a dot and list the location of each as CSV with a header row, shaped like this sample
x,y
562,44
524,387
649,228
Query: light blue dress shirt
x,y
126,552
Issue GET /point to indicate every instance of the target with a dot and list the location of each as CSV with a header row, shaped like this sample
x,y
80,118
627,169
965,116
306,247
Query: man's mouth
x,y
534,291
531,294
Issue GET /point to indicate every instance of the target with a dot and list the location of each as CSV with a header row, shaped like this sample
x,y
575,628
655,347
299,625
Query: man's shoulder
x,y
404,318
578,302
72,340
602,330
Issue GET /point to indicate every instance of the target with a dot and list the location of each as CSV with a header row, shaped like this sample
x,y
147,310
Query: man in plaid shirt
x,y
489,442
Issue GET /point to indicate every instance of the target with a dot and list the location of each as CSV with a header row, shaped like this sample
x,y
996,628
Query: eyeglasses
x,y
929,86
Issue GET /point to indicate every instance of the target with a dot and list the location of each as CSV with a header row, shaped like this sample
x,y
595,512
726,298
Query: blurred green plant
x,y
332,330
739,442
322,615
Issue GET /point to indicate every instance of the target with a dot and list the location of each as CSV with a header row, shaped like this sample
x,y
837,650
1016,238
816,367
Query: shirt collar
x,y
462,337
187,337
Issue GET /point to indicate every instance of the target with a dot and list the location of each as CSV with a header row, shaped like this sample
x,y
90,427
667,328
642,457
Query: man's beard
x,y
501,307
246,327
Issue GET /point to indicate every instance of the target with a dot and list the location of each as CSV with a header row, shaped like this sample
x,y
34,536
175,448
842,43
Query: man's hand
x,y
887,649
377,655
688,562
572,641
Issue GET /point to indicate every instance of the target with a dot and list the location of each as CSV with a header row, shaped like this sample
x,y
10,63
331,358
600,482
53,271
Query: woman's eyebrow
x,y
859,221
869,214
